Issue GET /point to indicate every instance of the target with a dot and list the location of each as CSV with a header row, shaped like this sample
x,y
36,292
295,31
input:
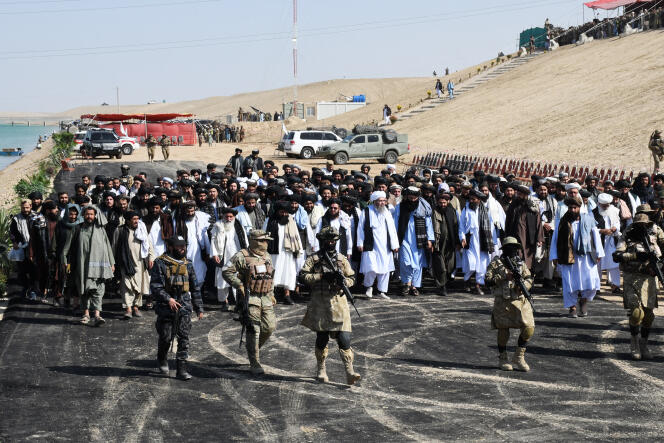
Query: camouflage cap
x,y
259,235
644,209
328,233
511,241
642,218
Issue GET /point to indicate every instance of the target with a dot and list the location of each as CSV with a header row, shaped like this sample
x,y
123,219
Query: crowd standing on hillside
x,y
610,27
395,230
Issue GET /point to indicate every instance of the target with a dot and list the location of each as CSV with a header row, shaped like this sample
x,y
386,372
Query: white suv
x,y
306,144
129,144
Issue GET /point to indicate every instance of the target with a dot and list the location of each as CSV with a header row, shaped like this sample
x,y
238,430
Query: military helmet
x,y
511,241
642,218
259,235
328,233
124,167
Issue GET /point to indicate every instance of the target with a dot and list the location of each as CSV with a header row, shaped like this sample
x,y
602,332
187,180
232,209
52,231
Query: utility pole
x,y
117,97
294,57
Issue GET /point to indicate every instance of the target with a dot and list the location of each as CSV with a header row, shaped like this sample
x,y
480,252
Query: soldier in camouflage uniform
x,y
173,286
656,146
165,143
251,273
151,144
639,281
511,310
126,179
327,313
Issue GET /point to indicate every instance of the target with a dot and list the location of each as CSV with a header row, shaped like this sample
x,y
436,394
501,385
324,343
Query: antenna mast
x,y
294,57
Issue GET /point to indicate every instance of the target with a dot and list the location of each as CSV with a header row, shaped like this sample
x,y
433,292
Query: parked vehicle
x,y
129,144
306,144
387,146
101,142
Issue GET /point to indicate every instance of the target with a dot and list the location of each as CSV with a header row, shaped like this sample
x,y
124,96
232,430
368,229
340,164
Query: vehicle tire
x,y
118,155
127,149
306,153
341,132
391,157
340,158
390,136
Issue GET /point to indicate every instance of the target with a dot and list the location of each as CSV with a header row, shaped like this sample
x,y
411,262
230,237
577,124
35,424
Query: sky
x,y
59,54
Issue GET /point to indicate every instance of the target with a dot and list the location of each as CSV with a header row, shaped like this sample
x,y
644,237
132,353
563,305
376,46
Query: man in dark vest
x,y
174,288
340,221
524,222
445,228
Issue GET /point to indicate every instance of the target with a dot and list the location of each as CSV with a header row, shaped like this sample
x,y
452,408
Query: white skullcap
x,y
376,195
444,186
168,179
572,186
552,179
604,199
391,166
243,185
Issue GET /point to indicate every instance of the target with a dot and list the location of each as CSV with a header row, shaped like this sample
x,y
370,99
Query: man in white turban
x,y
377,240
608,222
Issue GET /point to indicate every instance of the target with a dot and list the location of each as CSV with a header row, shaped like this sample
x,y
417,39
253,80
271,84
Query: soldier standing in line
x,y
656,146
151,144
165,143
639,281
511,310
328,314
251,273
173,286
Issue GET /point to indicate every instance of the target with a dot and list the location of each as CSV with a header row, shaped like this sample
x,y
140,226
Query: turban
x,y
376,195
604,199
572,186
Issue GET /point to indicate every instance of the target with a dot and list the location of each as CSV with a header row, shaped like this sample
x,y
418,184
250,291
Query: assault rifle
x,y
652,258
176,319
341,280
244,315
518,279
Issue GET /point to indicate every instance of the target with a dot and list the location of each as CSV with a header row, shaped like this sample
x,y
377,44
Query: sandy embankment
x,y
21,168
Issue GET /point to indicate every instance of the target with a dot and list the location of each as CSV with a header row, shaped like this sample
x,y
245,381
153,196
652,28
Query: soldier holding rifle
x,y
639,256
329,275
173,286
512,305
251,273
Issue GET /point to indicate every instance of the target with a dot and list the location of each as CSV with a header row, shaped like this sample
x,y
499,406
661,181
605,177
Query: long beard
x,y
250,210
229,226
410,205
283,220
381,209
472,206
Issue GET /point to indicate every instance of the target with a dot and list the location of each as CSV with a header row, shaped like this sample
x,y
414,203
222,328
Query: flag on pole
x,y
283,126
123,130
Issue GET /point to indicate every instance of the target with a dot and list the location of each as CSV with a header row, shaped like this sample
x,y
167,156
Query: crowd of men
x,y
647,19
394,229
216,133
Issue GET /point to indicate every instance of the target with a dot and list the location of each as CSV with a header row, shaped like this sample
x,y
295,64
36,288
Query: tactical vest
x,y
257,283
177,277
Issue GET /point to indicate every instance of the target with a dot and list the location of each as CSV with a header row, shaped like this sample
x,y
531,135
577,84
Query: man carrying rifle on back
x,y
251,273
326,272
173,286
512,305
639,256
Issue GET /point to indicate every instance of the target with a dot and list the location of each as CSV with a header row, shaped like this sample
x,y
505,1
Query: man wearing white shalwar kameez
x,y
576,248
198,242
377,240
497,215
608,222
478,236
340,221
227,237
285,248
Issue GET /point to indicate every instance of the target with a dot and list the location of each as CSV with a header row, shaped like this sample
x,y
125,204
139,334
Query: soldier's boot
x,y
253,354
645,352
347,358
162,358
518,361
503,362
182,373
321,373
634,347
